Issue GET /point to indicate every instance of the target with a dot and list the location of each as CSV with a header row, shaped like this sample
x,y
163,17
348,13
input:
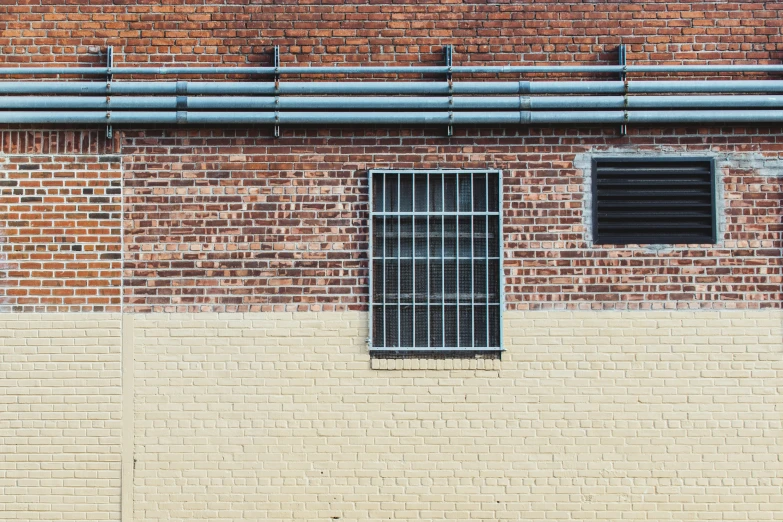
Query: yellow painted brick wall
x,y
60,392
602,415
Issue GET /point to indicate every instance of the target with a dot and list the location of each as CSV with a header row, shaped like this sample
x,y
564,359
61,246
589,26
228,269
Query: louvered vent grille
x,y
436,261
667,201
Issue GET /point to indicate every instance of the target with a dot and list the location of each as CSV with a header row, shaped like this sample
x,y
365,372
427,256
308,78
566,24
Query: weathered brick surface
x,y
230,219
60,225
243,32
60,416
239,221
591,415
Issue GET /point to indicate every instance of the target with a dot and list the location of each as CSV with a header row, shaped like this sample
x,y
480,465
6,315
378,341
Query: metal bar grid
x,y
443,218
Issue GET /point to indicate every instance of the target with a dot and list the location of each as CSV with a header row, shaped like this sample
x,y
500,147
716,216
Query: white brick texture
x,y
60,412
601,415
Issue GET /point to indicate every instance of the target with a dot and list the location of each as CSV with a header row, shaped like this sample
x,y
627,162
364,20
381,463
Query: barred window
x,y
436,275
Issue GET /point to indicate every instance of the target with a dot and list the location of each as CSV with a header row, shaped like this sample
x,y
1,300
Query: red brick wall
x,y
233,219
237,221
60,223
183,31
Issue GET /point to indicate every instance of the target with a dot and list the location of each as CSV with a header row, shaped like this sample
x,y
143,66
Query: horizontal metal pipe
x,y
307,102
353,70
406,103
545,117
575,102
394,118
709,116
606,87
388,88
728,68
259,118
658,86
310,88
92,102
304,103
735,101
259,88
649,117
88,117
88,88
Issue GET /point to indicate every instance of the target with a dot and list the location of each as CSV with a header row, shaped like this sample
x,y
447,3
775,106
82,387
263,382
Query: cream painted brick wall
x,y
602,415
60,414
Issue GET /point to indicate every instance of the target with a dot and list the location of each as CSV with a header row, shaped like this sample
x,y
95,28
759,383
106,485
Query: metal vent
x,y
436,260
644,201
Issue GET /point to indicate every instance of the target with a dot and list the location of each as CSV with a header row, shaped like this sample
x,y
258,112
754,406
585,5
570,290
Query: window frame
x,y
661,240
461,351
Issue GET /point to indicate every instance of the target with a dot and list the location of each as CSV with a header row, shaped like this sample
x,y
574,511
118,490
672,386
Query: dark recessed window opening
x,y
436,261
653,201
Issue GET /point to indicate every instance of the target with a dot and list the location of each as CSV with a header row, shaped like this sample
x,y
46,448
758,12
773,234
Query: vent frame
x,y
635,237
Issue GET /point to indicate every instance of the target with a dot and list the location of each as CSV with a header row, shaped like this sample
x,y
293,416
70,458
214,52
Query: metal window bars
x,y
436,274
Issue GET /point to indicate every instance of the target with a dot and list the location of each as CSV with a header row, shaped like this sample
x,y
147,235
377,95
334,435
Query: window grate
x,y
436,268
647,201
